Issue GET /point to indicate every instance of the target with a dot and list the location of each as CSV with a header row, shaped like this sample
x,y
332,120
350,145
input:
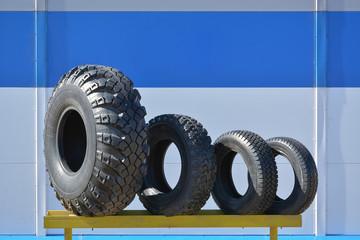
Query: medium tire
x,y
95,141
306,177
262,173
198,166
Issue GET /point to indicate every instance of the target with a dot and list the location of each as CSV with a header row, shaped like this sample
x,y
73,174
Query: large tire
x,y
95,141
262,173
198,166
306,177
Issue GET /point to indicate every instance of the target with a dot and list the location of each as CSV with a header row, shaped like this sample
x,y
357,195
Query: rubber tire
x,y
262,172
306,177
198,166
95,141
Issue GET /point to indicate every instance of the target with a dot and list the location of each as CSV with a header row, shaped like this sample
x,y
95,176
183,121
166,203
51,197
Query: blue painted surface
x,y
40,49
17,49
187,49
343,49
187,237
320,49
184,49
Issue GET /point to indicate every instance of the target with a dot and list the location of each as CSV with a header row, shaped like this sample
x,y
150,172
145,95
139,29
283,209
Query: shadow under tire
x,y
262,173
306,177
197,172
95,141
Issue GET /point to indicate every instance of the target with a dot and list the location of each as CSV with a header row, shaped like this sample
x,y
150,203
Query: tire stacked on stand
x,y
197,172
95,141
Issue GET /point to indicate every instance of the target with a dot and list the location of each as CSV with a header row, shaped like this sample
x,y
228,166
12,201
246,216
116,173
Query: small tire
x,y
198,166
306,177
262,173
95,141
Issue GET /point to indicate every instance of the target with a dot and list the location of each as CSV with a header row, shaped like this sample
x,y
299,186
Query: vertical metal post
x,y
68,234
320,115
39,112
273,233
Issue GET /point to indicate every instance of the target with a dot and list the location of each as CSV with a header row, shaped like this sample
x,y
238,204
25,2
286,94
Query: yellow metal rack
x,y
142,219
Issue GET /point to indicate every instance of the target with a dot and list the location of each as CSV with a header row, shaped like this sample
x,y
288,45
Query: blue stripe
x,y
320,49
17,49
343,49
40,49
187,49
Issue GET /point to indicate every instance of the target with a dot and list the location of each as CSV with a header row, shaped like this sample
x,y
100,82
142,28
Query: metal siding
x,y
343,199
343,127
17,197
343,49
197,49
18,5
17,125
17,47
184,5
343,5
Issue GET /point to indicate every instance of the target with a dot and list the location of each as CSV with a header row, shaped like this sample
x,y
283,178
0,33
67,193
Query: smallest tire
x,y
306,177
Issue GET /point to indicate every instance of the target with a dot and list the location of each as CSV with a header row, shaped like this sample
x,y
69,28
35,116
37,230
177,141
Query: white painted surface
x,y
17,125
343,5
343,125
18,5
17,198
343,196
183,5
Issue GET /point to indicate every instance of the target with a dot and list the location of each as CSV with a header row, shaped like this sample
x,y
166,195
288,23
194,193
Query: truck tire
x,y
198,166
306,177
95,141
262,173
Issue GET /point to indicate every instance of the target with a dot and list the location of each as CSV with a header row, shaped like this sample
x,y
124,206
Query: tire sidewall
x,y
67,183
228,198
164,131
297,195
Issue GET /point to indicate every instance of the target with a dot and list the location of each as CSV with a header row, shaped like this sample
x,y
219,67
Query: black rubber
x,y
262,173
198,166
95,141
306,177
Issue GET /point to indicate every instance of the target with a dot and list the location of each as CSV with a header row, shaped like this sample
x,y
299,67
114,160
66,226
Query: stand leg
x,y
68,234
273,233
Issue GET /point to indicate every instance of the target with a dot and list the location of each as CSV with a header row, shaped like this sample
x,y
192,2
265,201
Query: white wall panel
x,y
270,112
343,196
18,5
17,198
343,128
17,123
184,5
343,5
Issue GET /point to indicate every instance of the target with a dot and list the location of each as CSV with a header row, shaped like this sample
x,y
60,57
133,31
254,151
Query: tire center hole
x,y
172,165
286,177
72,141
239,175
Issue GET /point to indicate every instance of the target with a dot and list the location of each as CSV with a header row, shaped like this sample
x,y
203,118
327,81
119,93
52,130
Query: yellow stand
x,y
142,219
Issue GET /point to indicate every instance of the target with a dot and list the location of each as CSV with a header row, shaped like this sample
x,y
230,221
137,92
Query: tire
x,y
95,141
306,178
262,173
198,166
